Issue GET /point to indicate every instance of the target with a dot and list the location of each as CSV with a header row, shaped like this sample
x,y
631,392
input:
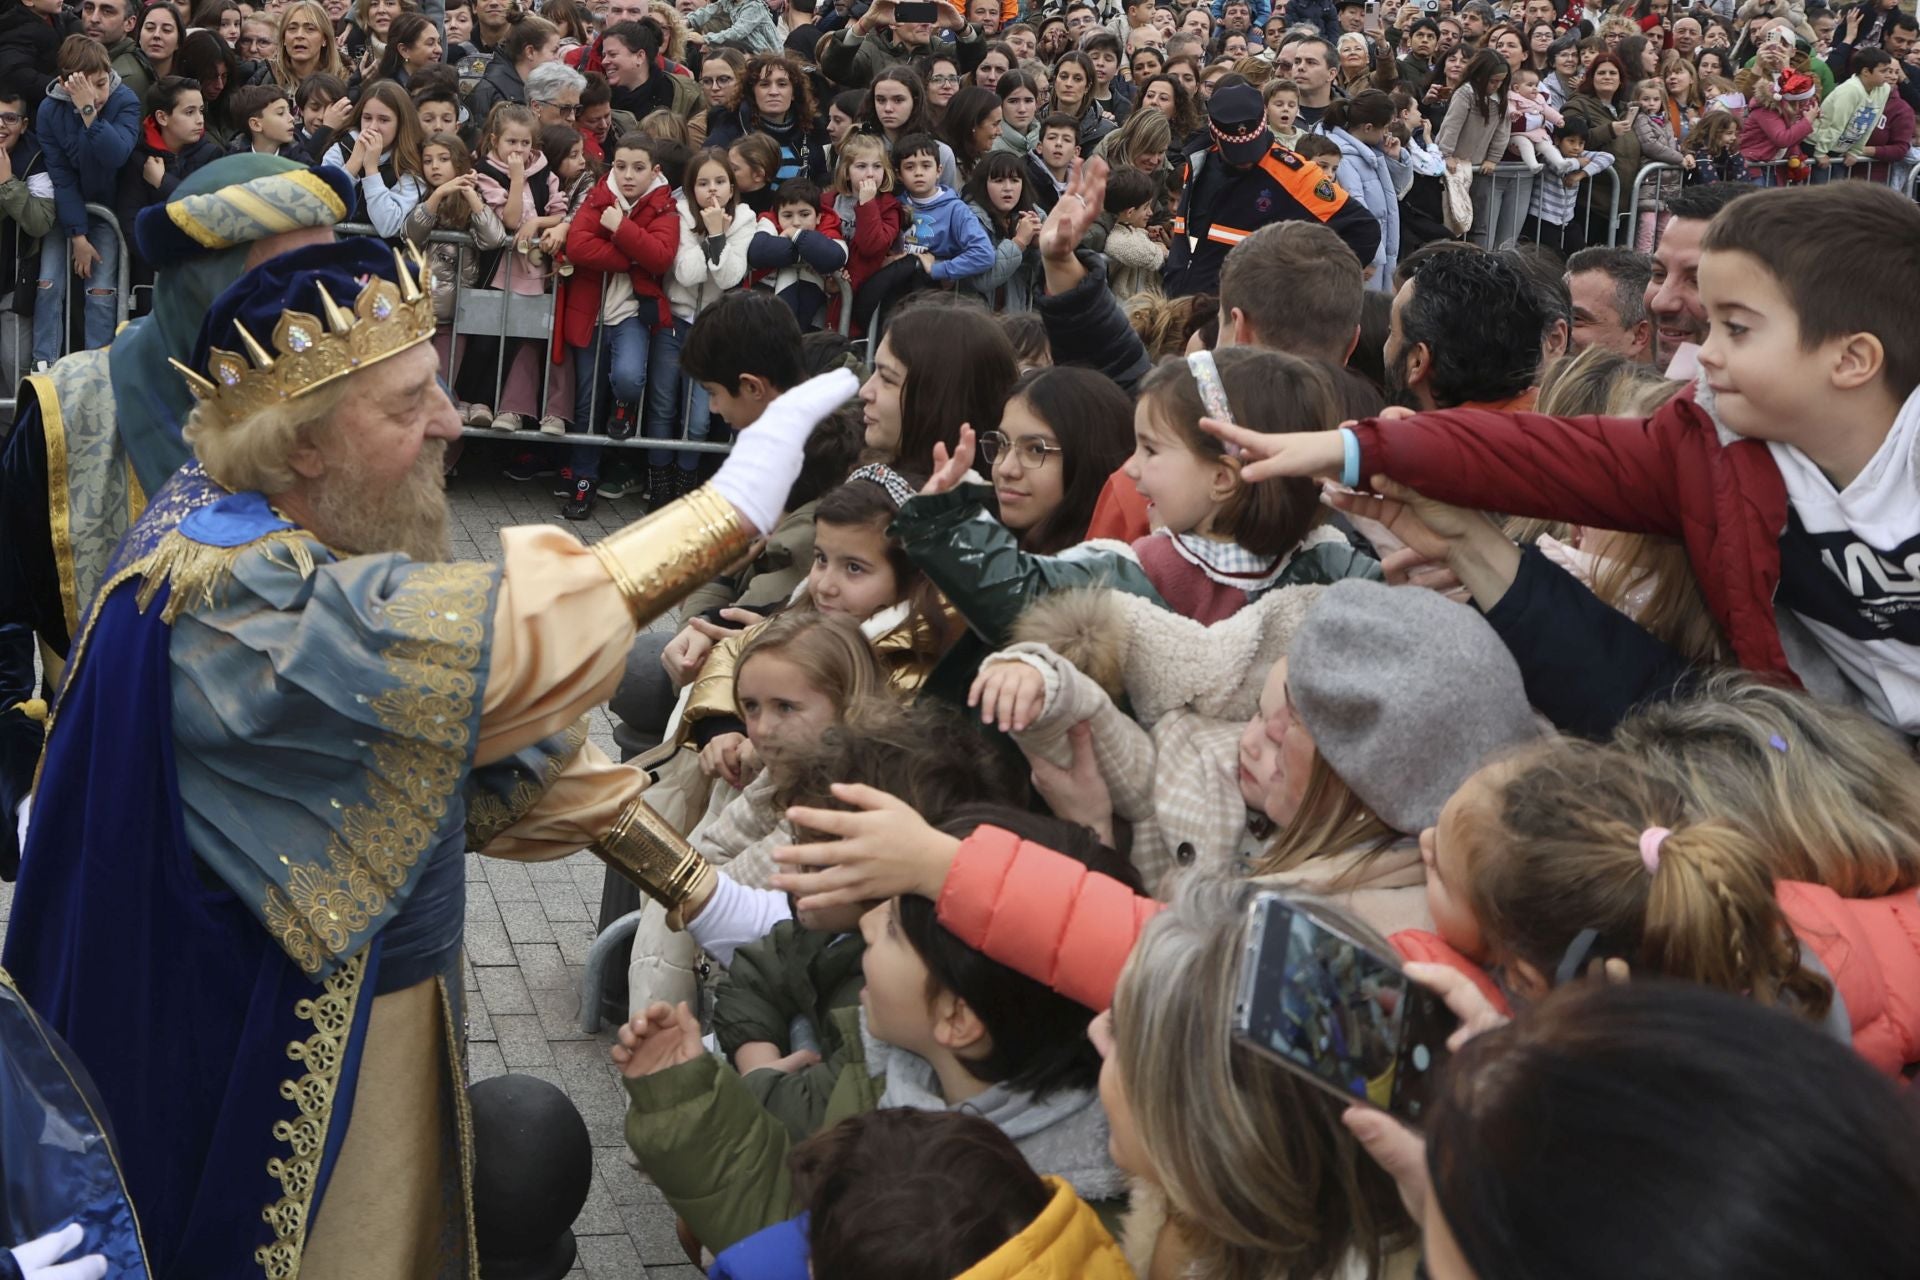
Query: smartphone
x,y
1337,1013
911,11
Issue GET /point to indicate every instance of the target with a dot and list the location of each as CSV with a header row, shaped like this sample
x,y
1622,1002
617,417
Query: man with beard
x,y
100,431
1673,291
286,717
1465,333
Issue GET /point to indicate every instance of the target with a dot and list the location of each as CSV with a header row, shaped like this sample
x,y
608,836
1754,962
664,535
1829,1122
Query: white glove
x,y
37,1258
766,458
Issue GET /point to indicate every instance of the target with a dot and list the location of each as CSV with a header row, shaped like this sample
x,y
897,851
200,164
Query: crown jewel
x,y
387,318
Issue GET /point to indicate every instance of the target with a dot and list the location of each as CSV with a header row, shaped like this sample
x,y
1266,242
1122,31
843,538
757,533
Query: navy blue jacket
x,y
85,160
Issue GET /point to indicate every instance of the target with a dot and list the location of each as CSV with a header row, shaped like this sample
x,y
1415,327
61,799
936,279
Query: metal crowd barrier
x,y
16,347
1510,199
1766,173
501,314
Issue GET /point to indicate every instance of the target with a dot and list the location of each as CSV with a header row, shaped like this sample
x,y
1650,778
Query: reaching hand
x,y
1426,526
39,1259
764,1055
950,469
1290,453
1077,793
1076,211
883,849
657,1038
720,758
685,654
1010,694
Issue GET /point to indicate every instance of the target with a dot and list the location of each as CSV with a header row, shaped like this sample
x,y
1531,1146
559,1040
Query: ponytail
x,y
1368,107
1587,838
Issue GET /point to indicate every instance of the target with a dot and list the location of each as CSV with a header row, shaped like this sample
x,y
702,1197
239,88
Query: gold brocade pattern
x,y
195,572
463,1120
489,814
644,848
440,613
322,1053
656,561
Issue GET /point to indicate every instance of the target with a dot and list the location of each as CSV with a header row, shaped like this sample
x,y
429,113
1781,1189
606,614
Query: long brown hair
x,y
1569,851
1331,820
404,145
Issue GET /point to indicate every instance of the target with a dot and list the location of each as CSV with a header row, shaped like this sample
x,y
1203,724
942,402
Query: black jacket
x,y
134,193
1085,326
1585,664
28,47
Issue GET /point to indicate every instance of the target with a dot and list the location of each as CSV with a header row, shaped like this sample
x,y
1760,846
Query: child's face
x,y
1282,110
1573,148
1259,754
314,110
1138,216
864,168
1331,164
1027,495
513,140
851,574
1105,65
632,172
799,216
779,703
839,124
187,122
746,174
435,117
895,997
1058,147
574,164
437,164
1181,488
712,187
1651,99
881,395
1765,385
1525,83
1003,193
1445,851
920,175
276,122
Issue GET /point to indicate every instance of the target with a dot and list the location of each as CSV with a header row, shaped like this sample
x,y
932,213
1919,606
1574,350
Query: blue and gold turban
x,y
240,199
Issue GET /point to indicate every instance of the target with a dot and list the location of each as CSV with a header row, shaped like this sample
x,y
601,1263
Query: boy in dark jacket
x,y
30,44
87,126
173,143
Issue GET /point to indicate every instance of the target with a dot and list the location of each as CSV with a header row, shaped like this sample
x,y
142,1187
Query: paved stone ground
x,y
528,930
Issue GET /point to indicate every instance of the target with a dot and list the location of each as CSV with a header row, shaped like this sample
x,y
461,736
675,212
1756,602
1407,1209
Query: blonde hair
x,y
675,28
1564,854
330,62
1331,820
831,651
255,453
663,123
851,147
1259,1174
1827,794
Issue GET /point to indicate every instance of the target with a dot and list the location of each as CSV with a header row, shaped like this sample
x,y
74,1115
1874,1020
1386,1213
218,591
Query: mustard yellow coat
x,y
1066,1242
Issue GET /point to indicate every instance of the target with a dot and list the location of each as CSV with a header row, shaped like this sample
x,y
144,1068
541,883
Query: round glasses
x,y
1032,451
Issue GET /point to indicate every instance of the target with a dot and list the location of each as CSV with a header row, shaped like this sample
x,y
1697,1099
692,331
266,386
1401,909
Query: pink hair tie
x,y
1650,847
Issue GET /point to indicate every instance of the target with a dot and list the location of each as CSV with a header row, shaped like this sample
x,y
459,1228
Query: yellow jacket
x,y
1066,1242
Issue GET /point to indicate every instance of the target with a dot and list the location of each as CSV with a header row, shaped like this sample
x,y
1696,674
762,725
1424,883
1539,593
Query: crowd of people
x,y
844,161
1151,492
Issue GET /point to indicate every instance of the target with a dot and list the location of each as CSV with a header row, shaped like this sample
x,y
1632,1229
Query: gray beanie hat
x,y
1406,694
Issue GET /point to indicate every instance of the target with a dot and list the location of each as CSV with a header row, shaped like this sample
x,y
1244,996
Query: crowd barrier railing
x,y
16,336
1510,199
495,310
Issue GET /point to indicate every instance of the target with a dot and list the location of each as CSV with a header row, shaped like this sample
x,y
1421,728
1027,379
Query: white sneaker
x,y
508,422
476,415
552,426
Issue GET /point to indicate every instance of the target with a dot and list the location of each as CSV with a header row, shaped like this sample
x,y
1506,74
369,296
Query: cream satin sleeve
x,y
579,806
567,613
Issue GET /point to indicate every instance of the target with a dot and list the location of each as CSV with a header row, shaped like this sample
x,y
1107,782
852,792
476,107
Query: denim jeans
x,y
102,291
621,350
667,391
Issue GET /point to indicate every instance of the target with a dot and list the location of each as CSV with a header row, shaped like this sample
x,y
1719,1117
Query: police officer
x,y
1244,181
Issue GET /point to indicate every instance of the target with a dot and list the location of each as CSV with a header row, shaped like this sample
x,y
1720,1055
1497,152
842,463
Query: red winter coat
x,y
643,246
876,232
1668,475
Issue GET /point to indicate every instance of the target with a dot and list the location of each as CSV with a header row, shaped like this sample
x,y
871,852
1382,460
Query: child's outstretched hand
x,y
1079,792
879,849
1291,453
720,758
658,1037
1010,694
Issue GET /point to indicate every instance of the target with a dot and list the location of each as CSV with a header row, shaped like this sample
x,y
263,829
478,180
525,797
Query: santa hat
x,y
1796,87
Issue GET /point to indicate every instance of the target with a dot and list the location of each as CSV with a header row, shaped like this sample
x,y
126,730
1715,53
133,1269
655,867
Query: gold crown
x,y
387,318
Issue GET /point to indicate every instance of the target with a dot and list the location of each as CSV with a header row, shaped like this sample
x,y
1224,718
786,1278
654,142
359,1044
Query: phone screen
x,y
1329,1008
913,12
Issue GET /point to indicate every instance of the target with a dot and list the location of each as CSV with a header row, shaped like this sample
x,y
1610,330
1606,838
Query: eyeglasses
x,y
717,82
568,109
943,80
1031,450
8,119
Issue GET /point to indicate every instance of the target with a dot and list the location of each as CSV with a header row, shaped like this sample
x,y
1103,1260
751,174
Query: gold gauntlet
x,y
656,561
643,848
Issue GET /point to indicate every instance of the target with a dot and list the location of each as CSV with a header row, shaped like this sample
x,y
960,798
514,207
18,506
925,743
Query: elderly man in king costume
x,y
286,717
100,430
